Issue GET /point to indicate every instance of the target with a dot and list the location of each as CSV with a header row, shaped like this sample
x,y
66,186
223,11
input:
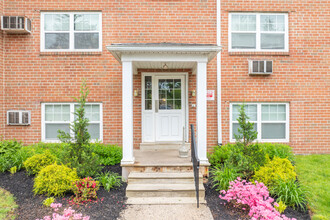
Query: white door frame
x,y
143,112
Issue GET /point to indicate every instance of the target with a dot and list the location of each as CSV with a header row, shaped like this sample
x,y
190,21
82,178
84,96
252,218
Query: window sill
x,y
77,53
258,53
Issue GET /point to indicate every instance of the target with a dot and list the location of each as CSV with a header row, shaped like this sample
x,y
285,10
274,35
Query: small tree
x,y
246,133
79,155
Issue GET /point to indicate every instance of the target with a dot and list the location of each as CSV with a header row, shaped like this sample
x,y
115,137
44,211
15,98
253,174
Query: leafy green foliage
x,y
35,163
47,202
56,149
86,164
278,150
246,159
79,154
9,160
85,190
280,207
220,154
274,170
54,180
80,124
109,180
221,176
109,154
9,146
246,133
290,192
13,170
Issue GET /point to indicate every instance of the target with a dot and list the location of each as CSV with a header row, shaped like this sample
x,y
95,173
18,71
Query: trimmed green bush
x,y
246,159
35,163
291,193
9,160
278,150
221,176
274,170
220,154
109,154
54,180
9,146
109,180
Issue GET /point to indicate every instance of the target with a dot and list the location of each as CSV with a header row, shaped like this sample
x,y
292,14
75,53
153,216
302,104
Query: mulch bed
x,y
221,211
108,205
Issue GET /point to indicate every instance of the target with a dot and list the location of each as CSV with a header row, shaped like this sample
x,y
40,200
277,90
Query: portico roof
x,y
208,50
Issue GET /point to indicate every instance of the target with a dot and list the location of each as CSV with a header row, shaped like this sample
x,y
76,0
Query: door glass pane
x,y
148,93
169,93
273,131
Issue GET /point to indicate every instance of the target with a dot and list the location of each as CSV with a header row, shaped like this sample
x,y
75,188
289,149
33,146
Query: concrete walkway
x,y
166,212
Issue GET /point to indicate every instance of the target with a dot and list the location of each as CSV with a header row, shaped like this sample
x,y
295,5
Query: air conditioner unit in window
x,y
16,24
260,67
18,117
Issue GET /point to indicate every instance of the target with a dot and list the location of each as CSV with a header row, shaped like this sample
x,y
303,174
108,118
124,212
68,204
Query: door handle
x,y
156,106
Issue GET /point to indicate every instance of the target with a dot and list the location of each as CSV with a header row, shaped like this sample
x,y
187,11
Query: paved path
x,y
166,212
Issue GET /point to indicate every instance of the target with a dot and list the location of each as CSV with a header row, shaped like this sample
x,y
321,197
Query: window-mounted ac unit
x,y
18,117
260,67
16,24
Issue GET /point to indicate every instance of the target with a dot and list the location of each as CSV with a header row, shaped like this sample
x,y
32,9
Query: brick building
x,y
154,67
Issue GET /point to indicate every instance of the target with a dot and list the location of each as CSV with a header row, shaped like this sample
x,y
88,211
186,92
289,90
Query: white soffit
x,y
207,50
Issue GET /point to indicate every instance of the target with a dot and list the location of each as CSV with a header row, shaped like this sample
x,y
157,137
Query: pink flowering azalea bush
x,y
254,196
68,214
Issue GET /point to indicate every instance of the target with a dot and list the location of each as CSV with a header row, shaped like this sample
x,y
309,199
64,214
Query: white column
x,y
201,119
127,95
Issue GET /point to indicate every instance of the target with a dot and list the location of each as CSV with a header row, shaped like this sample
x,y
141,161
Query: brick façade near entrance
x,y
301,76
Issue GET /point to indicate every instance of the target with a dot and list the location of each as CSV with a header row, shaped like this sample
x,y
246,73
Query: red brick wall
x,y
301,77
2,113
33,77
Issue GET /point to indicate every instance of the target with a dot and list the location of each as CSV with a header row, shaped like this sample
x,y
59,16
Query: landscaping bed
x,y
108,205
221,211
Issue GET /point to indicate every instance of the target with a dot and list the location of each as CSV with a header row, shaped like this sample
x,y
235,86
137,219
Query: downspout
x,y
219,72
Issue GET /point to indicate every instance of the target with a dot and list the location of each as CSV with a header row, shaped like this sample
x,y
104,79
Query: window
x,y
59,116
65,31
258,32
271,120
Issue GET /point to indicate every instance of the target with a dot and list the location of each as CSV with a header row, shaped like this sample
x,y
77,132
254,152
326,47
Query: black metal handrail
x,y
195,162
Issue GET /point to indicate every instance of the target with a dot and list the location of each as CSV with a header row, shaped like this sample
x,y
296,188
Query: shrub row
x,y
270,164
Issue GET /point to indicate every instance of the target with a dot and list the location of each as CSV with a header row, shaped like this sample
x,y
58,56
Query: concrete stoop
x,y
163,188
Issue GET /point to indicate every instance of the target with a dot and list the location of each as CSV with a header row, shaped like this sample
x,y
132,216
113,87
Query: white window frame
x,y
71,32
259,121
258,33
72,104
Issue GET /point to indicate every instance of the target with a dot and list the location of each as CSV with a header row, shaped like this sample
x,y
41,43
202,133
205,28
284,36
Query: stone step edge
x,y
163,187
163,200
158,175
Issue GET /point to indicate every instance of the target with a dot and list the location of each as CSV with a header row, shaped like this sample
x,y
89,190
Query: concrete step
x,y
163,200
162,178
164,190
169,168
162,146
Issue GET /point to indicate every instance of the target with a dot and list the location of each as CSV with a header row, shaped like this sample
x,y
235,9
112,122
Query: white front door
x,y
163,108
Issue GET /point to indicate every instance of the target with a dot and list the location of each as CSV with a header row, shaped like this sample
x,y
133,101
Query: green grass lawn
x,y
314,173
7,205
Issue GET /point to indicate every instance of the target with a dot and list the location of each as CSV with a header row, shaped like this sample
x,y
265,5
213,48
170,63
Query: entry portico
x,y
156,56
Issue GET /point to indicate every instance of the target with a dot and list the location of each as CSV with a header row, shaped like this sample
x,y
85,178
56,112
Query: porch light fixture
x,y
136,93
165,67
193,93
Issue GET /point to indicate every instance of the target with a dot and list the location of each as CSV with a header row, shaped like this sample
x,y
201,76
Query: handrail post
x,y
195,162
